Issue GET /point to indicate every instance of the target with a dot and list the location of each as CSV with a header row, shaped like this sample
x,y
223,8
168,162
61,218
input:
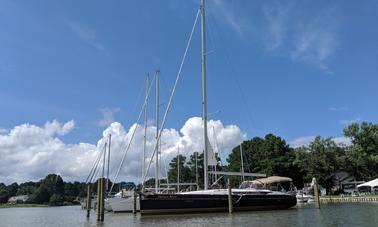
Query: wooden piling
x,y
100,199
229,196
89,200
316,193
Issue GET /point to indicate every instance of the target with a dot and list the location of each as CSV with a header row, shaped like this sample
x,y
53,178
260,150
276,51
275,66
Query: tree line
x,y
271,155
52,190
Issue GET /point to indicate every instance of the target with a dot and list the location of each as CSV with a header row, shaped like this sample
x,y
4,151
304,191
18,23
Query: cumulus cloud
x,y
61,129
3,131
188,140
30,152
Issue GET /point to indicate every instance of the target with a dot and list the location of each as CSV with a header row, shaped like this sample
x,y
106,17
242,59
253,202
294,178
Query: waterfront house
x,y
18,199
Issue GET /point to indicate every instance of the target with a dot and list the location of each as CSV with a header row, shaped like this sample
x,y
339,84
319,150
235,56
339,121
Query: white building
x,y
18,199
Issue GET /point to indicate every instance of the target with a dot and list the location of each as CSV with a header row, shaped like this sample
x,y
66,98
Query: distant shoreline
x,y
6,205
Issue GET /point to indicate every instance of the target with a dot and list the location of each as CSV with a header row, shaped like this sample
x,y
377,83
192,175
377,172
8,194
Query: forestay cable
x,y
131,139
171,97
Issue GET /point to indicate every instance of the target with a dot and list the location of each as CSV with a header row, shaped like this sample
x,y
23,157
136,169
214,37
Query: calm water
x,y
351,214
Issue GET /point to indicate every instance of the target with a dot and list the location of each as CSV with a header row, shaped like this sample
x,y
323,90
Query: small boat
x,y
123,201
304,198
306,194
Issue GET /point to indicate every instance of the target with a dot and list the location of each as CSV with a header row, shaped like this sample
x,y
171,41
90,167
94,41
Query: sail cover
x,y
271,180
211,159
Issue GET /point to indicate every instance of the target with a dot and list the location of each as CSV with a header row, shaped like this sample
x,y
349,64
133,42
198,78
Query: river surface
x,y
342,214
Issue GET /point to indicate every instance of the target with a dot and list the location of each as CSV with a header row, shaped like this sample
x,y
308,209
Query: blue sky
x,y
292,68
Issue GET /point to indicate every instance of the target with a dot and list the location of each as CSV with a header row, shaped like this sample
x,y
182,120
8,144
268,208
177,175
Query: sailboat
x,y
209,200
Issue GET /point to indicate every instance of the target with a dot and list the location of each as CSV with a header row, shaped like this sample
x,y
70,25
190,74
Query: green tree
x,y
270,155
41,195
27,188
364,135
322,161
193,168
184,173
4,193
52,184
12,189
56,200
362,156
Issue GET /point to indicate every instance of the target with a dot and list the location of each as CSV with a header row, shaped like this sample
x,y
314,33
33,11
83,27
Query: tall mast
x,y
145,129
204,102
157,132
107,174
241,161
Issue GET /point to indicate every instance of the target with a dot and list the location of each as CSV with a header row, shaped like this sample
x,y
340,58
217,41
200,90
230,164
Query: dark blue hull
x,y
192,203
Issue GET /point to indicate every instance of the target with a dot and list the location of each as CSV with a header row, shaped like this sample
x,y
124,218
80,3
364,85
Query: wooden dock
x,y
348,199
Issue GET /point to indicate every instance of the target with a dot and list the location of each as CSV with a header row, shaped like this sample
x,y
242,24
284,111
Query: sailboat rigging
x,y
247,197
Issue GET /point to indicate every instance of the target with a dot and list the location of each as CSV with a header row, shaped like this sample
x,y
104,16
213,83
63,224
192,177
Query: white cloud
x,y
54,127
342,141
316,39
107,116
87,34
226,13
30,152
306,140
3,131
277,17
282,29
302,141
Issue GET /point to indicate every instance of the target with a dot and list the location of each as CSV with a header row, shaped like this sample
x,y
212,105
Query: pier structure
x,y
348,199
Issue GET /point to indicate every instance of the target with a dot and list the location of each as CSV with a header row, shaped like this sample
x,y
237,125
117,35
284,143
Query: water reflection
x,y
347,214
